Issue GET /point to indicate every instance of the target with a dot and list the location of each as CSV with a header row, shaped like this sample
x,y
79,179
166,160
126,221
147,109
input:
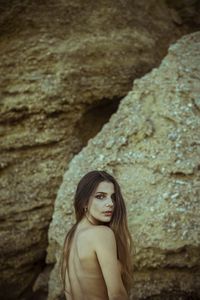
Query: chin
x,y
107,219
104,220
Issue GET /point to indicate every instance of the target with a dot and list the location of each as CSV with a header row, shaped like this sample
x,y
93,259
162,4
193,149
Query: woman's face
x,y
101,203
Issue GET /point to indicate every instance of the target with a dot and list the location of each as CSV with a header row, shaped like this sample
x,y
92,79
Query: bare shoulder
x,y
102,234
102,229
97,235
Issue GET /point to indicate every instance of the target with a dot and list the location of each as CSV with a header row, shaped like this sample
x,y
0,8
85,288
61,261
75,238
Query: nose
x,y
109,203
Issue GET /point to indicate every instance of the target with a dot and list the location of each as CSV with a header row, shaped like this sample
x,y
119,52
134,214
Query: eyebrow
x,y
103,193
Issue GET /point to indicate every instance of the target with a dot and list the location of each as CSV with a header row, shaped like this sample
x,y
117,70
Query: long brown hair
x,y
86,186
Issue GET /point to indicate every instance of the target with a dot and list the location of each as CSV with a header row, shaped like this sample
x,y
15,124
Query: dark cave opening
x,y
93,119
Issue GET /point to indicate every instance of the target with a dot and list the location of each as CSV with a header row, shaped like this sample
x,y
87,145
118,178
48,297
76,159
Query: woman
x,y
96,262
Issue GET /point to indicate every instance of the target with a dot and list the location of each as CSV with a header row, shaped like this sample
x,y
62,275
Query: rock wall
x,y
64,65
151,145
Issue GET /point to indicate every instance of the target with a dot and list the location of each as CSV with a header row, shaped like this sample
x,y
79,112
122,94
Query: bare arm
x,y
106,251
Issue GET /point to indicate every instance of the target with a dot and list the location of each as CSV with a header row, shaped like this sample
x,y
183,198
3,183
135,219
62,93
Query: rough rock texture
x,y
151,145
64,65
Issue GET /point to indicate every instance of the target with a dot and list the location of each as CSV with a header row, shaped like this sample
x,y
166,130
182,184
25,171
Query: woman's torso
x,y
85,279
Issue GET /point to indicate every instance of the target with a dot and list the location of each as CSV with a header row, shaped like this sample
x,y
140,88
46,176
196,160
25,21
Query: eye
x,y
99,196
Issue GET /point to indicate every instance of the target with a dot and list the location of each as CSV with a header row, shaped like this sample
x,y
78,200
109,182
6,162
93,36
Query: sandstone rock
x,y
151,145
61,64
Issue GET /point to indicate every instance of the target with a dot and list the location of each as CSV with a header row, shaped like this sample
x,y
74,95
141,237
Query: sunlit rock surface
x,y
151,145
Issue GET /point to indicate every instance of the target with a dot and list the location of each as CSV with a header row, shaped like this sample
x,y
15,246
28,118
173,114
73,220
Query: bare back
x,y
84,279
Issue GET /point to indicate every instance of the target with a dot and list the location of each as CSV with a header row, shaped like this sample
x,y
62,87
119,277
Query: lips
x,y
108,212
